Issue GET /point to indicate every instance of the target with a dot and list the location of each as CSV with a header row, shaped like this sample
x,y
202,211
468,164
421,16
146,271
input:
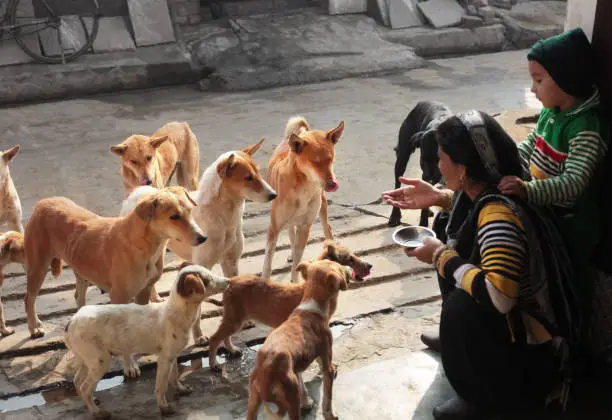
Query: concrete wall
x,y
581,13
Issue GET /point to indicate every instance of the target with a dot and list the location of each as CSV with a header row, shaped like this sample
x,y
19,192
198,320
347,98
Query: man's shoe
x,y
431,340
456,409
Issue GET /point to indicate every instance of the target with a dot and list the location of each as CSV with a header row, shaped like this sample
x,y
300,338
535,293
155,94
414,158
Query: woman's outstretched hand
x,y
512,185
416,195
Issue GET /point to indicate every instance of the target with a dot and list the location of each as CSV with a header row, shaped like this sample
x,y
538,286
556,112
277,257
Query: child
x,y
565,149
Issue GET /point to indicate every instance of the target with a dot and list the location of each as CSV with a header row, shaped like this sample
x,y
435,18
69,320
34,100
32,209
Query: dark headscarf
x,y
475,140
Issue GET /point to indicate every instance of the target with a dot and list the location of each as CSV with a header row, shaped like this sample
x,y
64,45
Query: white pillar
x,y
581,13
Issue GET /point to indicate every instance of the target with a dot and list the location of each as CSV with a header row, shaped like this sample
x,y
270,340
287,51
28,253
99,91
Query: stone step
x,y
50,368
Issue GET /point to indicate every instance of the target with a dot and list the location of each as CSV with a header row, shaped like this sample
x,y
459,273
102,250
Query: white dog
x,y
10,205
96,332
224,186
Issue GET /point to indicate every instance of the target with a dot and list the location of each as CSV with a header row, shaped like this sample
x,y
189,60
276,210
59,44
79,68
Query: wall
x,y
581,13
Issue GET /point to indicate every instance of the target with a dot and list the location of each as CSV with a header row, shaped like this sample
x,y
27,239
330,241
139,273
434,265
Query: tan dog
x,y
270,302
117,254
152,160
10,205
290,349
301,171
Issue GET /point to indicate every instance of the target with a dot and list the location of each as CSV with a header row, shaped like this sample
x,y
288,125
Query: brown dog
x,y
304,337
301,171
270,302
117,254
152,160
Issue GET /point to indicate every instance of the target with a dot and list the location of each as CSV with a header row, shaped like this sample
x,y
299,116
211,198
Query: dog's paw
x,y
329,415
201,341
183,389
167,410
131,371
37,332
6,331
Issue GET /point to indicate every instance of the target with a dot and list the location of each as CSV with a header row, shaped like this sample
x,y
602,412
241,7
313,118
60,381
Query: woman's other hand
x,y
425,253
416,195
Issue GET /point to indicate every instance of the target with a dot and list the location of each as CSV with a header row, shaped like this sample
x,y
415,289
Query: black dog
x,y
418,131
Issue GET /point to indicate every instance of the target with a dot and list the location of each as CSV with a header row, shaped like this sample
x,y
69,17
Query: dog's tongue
x,y
350,273
143,182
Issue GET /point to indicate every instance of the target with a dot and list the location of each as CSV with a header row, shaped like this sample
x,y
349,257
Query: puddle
x,y
235,370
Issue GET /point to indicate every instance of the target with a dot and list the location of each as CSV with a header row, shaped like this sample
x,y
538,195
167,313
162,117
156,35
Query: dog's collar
x,y
312,306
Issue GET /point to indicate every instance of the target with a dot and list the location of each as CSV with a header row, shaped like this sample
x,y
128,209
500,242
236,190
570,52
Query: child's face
x,y
544,87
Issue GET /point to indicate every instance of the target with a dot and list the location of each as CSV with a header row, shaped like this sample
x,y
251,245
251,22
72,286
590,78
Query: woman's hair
x,y
454,139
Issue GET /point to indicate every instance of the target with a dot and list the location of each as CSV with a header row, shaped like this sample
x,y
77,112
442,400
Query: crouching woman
x,y
499,335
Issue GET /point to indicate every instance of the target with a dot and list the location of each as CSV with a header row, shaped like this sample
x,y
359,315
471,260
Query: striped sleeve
x,y
495,283
586,150
526,147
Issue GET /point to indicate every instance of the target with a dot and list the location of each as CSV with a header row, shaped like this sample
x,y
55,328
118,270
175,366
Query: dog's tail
x,y
272,387
56,266
296,125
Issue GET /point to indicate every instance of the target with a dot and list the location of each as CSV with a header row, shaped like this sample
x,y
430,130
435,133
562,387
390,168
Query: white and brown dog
x,y
301,170
152,160
10,205
225,185
96,332
290,349
118,254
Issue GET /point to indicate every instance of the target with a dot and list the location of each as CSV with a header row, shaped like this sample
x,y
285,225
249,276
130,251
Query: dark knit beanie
x,y
570,61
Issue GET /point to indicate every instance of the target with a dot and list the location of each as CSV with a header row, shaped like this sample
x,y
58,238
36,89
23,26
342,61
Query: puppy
x,y
418,131
118,254
10,205
305,336
96,332
270,302
152,160
301,170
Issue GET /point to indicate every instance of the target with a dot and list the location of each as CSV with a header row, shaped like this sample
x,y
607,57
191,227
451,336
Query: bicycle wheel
x,y
54,31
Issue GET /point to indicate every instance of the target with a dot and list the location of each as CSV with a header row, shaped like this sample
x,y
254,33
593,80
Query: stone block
x,y
502,4
25,8
487,13
442,13
11,53
151,22
194,19
343,7
404,14
72,35
113,35
379,10
471,21
472,10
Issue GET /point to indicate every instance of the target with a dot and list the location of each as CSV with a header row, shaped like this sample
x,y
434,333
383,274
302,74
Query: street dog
x,y
153,160
270,302
225,185
117,254
276,379
419,131
96,332
301,171
10,205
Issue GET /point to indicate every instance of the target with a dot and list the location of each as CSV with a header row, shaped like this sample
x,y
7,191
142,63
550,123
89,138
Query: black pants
x,y
483,365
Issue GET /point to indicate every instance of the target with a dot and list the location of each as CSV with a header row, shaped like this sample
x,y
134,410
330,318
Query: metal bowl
x,y
412,236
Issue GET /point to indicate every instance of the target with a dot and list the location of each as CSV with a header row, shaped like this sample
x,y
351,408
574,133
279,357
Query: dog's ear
x,y
252,149
296,143
188,284
302,268
184,264
334,135
225,167
336,282
329,250
119,149
157,141
9,154
145,209
6,247
190,198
